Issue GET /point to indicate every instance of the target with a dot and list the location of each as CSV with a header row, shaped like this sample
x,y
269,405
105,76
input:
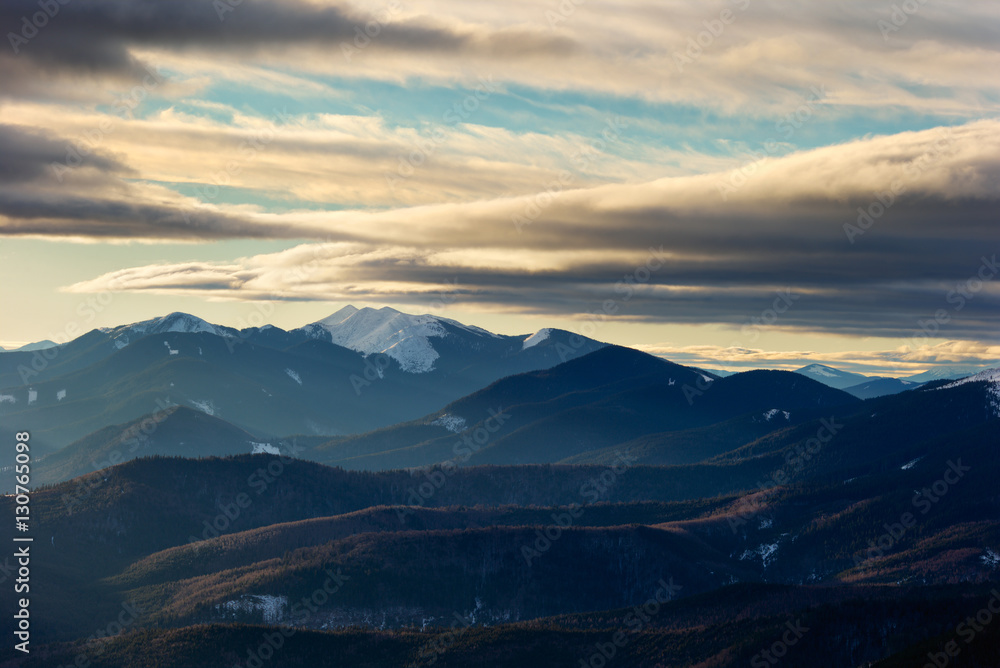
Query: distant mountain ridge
x,y
31,347
175,431
831,376
389,389
867,387
860,385
267,381
879,387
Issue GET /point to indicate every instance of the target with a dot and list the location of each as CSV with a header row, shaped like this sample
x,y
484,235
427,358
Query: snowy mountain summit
x,y
985,376
536,338
174,322
833,377
403,337
821,370
989,376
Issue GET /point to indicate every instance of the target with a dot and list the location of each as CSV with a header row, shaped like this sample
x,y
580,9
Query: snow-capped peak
x,y
821,370
945,373
174,322
990,376
340,316
536,338
403,337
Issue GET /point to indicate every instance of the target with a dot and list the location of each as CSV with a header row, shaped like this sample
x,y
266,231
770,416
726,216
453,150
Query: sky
x,y
732,184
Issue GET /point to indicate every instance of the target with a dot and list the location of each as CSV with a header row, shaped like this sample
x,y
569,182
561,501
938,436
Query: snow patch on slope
x,y
294,375
452,423
990,376
272,608
944,373
820,370
264,449
536,338
7,399
771,414
205,406
766,552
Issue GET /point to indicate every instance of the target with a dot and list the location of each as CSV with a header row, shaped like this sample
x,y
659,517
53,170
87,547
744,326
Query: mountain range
x,y
857,516
867,387
468,499
376,388
385,367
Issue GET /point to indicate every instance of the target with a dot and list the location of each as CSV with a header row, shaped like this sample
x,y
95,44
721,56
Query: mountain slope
x,y
404,577
810,531
690,446
177,431
733,627
880,387
945,373
652,405
527,397
879,434
19,368
595,403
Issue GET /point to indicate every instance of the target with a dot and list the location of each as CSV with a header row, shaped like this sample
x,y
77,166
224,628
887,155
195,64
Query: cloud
x,y
873,237
680,250
26,154
758,213
98,38
53,188
345,160
941,60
